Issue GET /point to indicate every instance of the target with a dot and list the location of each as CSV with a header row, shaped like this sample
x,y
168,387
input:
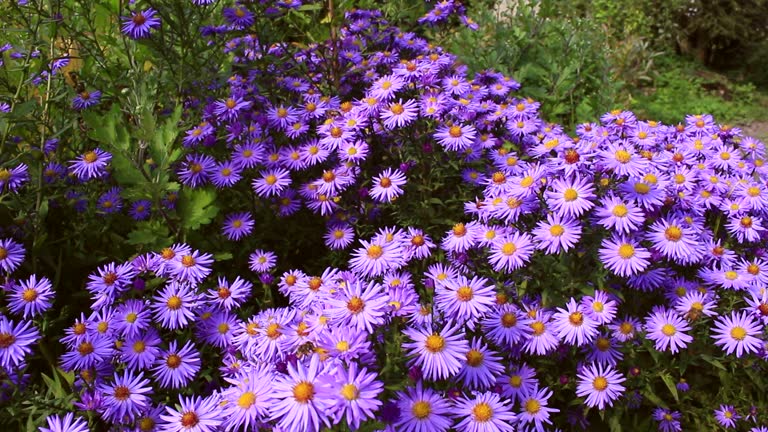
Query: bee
x,y
306,349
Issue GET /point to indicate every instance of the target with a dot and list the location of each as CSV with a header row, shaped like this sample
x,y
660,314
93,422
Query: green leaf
x,y
614,422
222,256
196,207
670,385
151,235
714,362
125,171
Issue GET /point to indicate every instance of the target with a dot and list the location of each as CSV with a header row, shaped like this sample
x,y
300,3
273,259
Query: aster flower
x,y
339,236
727,416
669,421
556,234
174,306
90,351
193,414
237,225
11,254
271,182
239,17
625,330
542,339
461,237
666,328
230,108
261,261
298,407
675,240
92,164
126,397
574,326
140,210
16,342
623,255
110,202
191,267
439,354
140,352
248,399
358,305
600,384
176,368
353,393
535,409
230,295
196,170
140,24
11,180
506,325
738,333
456,137
376,258
399,114
422,409
570,198
618,214
86,99
68,423
226,174
32,296
481,367
484,412
511,251
463,300
387,185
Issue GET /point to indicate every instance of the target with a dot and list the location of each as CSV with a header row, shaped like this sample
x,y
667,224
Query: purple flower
x,y
248,399
140,210
91,164
482,366
727,416
297,406
69,423
174,306
126,397
456,137
140,24
238,225
11,180
110,202
738,333
669,421
423,409
359,306
440,353
624,255
534,408
666,328
86,99
574,326
463,300
16,342
484,412
177,368
570,198
557,234
193,414
354,394
511,251
230,295
261,261
601,384
11,255
387,185
31,296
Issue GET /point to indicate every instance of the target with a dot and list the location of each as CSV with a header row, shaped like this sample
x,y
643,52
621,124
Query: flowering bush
x,y
349,232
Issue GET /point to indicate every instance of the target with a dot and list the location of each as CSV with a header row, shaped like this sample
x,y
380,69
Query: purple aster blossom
x,y
68,423
400,114
32,296
511,251
423,409
461,237
758,304
669,421
520,382
464,300
230,295
542,339
11,254
86,99
126,397
54,171
384,88
246,402
339,236
110,281
666,328
174,306
140,24
193,414
344,343
418,244
132,318
297,406
745,228
92,350
727,277
226,174
695,304
618,214
682,386
484,412
604,351
727,416
456,137
573,326
239,17
237,225
217,328
92,164
738,333
176,368
481,367
570,198
198,134
556,234
600,384
16,341
623,160
354,394
675,240
110,202
11,180
439,354
376,258
625,330
196,170
387,185
271,182
534,408
140,210
248,155
506,325
140,352
261,261
623,255
231,108
191,267
357,305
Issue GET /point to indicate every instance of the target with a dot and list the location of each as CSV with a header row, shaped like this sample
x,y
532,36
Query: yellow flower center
x,y
474,358
482,412
626,251
570,194
303,392
421,409
600,383
435,343
668,330
738,333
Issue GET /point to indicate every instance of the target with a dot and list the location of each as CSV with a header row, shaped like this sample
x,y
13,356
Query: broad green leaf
x,y
151,235
124,170
197,207
670,385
